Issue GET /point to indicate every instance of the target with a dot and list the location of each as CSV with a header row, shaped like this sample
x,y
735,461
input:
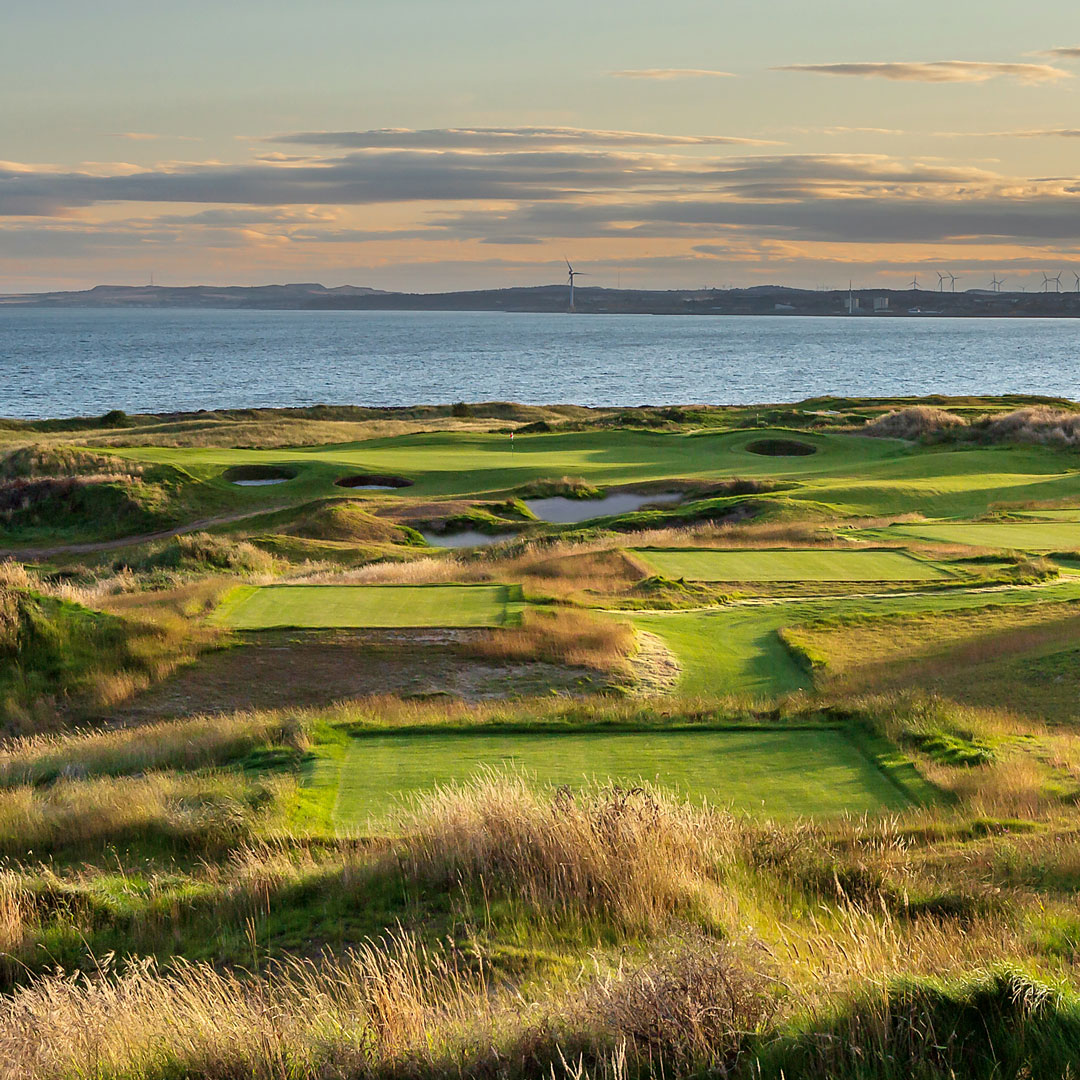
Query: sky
x,y
431,145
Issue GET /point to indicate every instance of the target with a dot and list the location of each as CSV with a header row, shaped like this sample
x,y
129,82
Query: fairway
x,y
1013,535
251,607
785,565
781,773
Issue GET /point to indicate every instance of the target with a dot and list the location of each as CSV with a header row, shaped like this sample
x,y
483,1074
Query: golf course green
x,y
849,475
781,564
1012,535
250,607
780,773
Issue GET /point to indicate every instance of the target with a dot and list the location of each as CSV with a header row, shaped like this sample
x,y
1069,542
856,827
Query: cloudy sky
x,y
440,144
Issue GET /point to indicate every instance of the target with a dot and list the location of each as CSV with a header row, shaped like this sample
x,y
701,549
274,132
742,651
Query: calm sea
x,y
85,362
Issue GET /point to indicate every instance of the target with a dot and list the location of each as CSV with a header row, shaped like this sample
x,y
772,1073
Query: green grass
x,y
1013,535
250,607
849,475
788,565
736,650
455,463
727,651
783,773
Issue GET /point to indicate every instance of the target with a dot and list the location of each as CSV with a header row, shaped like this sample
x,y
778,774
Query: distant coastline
x,y
758,300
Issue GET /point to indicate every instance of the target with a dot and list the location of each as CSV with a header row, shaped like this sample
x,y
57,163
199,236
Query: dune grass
x,y
251,607
789,565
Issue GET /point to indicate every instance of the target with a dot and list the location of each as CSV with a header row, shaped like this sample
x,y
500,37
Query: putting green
x,y
780,773
849,475
1013,535
787,565
251,607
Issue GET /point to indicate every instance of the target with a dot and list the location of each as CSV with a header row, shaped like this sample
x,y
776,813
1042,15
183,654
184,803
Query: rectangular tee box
x,y
785,774
267,607
1009,535
781,564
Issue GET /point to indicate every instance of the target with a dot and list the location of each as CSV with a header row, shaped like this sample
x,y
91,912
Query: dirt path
x,y
36,554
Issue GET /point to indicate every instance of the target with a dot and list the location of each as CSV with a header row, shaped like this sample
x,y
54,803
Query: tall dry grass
x,y
635,858
1039,424
832,910
185,745
914,422
386,1009
197,812
571,637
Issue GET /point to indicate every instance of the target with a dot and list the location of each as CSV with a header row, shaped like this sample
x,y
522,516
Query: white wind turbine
x,y
573,274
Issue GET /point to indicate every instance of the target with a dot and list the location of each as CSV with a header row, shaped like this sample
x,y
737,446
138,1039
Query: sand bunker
x,y
258,475
781,448
468,538
373,482
564,511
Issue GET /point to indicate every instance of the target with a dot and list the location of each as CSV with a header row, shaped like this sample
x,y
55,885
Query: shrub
x,y
915,422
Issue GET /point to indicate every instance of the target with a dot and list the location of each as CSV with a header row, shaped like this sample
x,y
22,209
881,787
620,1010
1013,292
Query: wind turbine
x,y
996,283
573,274
953,280
915,283
1077,276
940,281
1057,282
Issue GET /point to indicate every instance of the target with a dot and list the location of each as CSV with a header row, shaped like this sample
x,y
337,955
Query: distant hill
x,y
299,295
776,300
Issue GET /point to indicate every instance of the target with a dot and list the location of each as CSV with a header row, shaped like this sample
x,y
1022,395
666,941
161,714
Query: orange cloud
x,y
936,71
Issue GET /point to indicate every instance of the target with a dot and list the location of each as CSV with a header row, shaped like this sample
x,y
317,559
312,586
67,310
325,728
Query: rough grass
x,y
1020,654
192,812
181,745
914,422
630,857
383,1010
202,552
1044,425
864,971
59,659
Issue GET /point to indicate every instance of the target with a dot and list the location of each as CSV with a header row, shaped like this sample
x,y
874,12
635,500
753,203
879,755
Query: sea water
x,y
85,362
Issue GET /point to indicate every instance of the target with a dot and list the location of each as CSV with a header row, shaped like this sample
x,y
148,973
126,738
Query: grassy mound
x,y
1001,1025
569,487
348,522
204,552
59,658
64,491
